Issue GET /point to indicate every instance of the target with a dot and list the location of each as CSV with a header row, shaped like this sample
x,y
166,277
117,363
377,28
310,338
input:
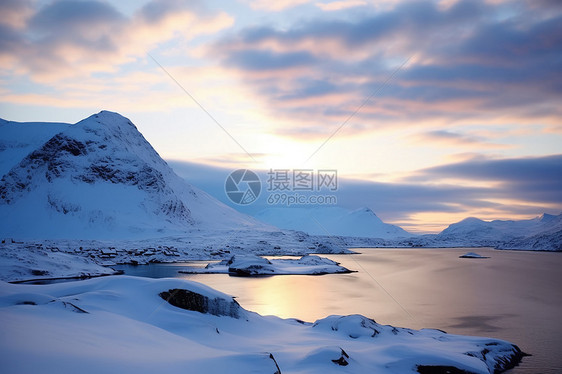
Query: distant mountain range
x,y
476,229
100,179
541,233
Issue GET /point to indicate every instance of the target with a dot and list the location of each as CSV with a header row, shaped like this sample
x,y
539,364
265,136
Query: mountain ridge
x,y
101,178
504,230
362,222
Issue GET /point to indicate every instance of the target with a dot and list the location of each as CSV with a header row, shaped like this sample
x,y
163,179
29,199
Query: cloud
x,y
447,138
471,61
474,62
257,60
232,160
68,39
275,6
15,13
509,189
530,179
339,5
74,17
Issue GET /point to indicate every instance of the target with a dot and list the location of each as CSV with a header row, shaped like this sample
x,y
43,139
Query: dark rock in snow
x,y
438,369
275,362
37,272
342,360
472,255
193,301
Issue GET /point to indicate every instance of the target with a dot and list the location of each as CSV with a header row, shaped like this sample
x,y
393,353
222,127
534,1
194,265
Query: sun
x,y
284,153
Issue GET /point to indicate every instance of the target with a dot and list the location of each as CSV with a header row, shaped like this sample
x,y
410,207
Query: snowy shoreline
x,y
57,259
170,325
214,335
70,278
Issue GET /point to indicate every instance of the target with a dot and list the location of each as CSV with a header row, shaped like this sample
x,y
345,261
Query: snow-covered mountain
x,y
540,233
477,229
332,221
545,241
98,178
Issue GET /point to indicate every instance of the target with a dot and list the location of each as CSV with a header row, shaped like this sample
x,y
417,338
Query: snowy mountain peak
x,y
474,229
87,152
366,214
107,122
364,210
100,178
545,217
470,220
329,221
109,118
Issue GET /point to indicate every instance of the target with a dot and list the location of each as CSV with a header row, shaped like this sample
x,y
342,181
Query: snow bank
x,y
124,324
251,265
20,262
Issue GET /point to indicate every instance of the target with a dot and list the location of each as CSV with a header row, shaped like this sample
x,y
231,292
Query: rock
x,y
438,369
109,252
276,365
342,360
196,302
38,272
472,255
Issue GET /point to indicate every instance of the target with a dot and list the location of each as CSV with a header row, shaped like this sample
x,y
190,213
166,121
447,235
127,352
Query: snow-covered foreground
x,y
138,325
250,265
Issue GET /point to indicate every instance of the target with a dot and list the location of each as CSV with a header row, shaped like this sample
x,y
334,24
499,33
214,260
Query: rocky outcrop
x,y
196,302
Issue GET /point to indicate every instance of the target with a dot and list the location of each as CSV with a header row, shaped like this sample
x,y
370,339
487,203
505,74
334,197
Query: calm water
x,y
512,295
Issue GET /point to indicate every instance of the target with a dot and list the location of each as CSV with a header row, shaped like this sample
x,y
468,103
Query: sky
x,y
430,111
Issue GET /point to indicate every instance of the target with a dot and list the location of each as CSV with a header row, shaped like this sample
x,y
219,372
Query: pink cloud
x,y
275,6
76,39
339,5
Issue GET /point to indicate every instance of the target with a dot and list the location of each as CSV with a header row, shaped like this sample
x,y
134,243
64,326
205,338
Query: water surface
x,y
513,295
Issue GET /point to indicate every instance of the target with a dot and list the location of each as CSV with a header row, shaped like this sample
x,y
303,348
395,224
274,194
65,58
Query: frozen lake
x,y
513,295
